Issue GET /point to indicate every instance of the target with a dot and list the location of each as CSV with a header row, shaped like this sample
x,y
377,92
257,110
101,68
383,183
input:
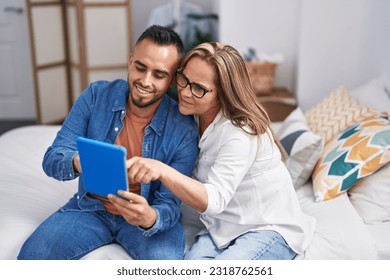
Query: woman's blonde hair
x,y
236,95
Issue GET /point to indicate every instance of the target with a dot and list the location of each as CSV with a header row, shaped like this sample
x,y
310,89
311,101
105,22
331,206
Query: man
x,y
138,115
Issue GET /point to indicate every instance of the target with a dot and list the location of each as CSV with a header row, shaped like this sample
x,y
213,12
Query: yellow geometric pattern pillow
x,y
357,152
335,113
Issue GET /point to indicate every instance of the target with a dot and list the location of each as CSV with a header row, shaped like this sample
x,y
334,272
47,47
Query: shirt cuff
x,y
68,172
212,198
157,225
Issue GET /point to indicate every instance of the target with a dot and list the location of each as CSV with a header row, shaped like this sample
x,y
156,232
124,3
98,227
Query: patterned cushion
x,y
335,113
357,152
302,146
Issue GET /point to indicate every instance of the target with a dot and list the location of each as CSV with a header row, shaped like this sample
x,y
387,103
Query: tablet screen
x,y
103,166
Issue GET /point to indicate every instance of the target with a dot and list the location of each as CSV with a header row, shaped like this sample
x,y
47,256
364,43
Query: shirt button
x,y
70,175
116,128
123,112
78,197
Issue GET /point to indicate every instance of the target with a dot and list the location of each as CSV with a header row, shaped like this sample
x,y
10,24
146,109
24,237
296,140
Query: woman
x,y
240,184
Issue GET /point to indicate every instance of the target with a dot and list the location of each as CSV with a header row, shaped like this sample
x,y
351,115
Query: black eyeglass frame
x,y
180,72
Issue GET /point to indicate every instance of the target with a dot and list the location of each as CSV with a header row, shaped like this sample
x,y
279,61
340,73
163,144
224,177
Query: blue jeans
x,y
256,245
73,234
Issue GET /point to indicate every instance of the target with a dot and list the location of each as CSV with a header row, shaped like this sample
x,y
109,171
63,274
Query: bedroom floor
x,y
6,125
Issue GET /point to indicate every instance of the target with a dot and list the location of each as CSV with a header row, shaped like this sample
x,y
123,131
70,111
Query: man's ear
x,y
129,60
173,82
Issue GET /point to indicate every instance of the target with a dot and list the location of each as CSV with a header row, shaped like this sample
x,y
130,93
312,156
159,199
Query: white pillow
x,y
375,93
371,197
302,146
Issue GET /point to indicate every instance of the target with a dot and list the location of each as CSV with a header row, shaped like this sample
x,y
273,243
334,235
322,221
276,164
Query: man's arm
x,y
61,157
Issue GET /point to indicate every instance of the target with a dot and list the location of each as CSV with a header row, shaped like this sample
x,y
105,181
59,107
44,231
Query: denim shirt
x,y
98,114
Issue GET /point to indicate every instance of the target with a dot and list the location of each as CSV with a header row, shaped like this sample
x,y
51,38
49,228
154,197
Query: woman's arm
x,y
188,190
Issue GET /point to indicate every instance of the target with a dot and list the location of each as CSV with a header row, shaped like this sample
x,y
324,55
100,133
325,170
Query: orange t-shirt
x,y
131,138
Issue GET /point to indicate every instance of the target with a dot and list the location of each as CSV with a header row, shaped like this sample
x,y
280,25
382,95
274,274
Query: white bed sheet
x,y
340,232
381,234
27,195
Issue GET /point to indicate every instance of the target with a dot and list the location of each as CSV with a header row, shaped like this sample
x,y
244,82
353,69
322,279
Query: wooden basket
x,y
262,75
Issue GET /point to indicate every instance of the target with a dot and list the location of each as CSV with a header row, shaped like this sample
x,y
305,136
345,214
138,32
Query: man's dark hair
x,y
162,36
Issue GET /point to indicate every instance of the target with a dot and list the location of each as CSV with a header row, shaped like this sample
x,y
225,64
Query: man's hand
x,y
135,210
76,163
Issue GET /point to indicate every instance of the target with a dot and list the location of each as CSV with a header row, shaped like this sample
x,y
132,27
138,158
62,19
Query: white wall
x,y
341,42
326,43
141,10
269,26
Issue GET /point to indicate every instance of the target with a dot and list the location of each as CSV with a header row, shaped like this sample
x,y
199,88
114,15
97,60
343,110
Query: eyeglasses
x,y
196,89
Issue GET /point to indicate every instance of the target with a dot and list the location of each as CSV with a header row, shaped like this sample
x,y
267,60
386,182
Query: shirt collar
x,y
120,99
211,127
160,117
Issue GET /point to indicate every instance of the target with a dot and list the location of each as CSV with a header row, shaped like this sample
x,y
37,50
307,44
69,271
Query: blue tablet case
x,y
103,166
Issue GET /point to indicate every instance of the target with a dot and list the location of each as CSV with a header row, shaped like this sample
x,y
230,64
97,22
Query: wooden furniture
x,y
73,43
278,104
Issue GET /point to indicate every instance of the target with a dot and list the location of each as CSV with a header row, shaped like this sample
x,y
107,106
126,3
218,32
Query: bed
x,y
353,224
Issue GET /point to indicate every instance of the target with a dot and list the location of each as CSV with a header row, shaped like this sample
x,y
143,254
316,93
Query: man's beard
x,y
140,104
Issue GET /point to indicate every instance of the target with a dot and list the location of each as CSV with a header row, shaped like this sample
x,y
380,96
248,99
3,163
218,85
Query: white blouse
x,y
249,188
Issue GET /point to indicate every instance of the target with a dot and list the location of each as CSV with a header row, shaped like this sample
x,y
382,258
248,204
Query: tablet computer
x,y
103,167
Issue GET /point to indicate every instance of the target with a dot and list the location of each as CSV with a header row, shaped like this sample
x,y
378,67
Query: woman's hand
x,y
188,190
143,170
